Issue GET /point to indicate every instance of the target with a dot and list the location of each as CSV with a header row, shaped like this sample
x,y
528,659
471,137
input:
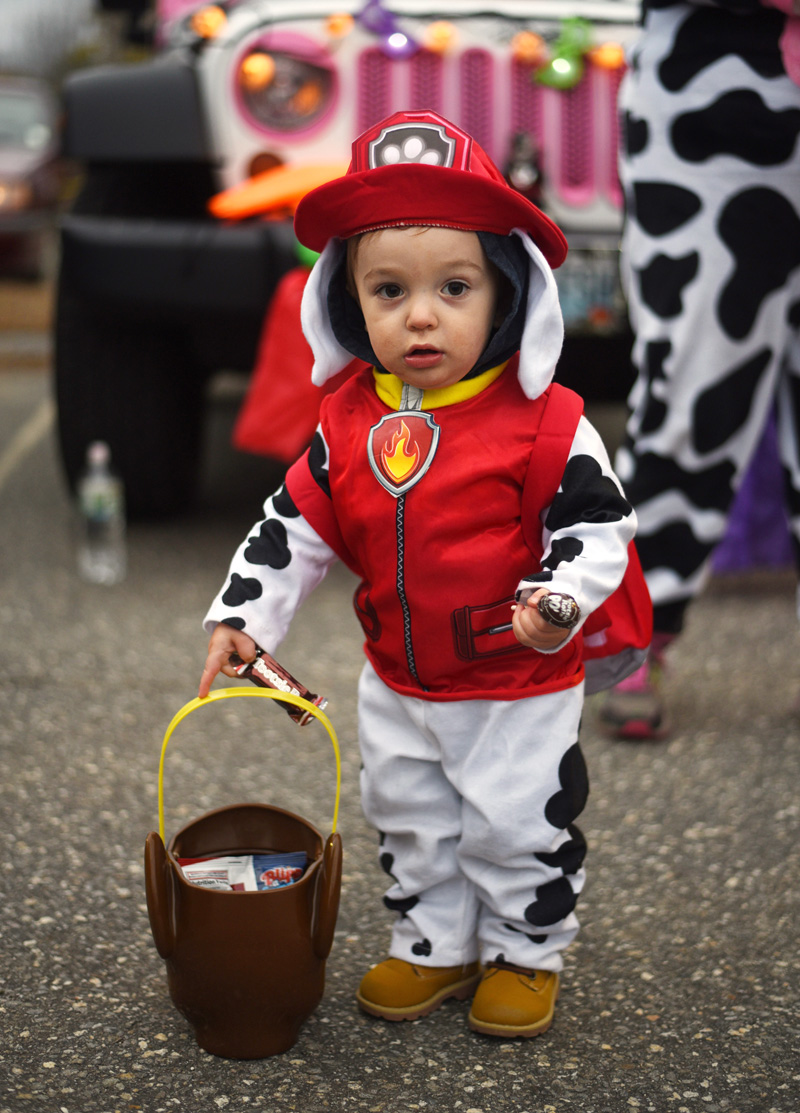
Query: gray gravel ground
x,y
681,994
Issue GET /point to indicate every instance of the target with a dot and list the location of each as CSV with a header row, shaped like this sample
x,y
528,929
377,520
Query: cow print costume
x,y
711,261
472,770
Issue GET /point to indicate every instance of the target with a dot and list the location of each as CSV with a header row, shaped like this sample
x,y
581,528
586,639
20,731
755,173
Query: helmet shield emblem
x,y
401,448
428,144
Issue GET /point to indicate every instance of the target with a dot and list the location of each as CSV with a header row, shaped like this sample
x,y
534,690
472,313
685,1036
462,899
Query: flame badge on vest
x,y
401,448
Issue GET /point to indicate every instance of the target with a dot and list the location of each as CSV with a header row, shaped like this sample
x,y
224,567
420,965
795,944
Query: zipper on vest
x,y
401,591
410,399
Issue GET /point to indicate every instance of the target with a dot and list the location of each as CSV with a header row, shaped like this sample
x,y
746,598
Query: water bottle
x,y
102,557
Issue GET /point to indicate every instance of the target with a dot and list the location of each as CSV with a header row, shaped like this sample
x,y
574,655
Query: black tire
x,y
131,386
126,381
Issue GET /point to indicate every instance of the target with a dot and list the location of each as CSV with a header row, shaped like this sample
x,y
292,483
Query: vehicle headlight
x,y
14,196
285,88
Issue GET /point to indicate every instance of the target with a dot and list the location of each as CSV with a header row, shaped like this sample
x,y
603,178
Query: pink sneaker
x,y
634,709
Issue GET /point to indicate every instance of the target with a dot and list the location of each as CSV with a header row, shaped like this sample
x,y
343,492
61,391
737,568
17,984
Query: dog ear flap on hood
x,y
542,332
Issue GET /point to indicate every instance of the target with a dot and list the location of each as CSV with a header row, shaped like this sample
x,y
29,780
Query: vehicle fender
x,y
149,112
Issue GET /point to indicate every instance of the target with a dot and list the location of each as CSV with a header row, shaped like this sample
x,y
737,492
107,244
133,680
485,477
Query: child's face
x,y
429,299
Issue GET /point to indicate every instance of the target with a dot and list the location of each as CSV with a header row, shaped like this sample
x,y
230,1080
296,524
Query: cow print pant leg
x,y
711,264
476,802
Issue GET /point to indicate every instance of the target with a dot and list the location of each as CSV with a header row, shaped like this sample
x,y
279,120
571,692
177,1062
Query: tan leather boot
x,y
512,1001
398,990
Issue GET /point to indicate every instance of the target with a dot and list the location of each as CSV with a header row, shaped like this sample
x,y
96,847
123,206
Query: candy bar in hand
x,y
265,672
559,610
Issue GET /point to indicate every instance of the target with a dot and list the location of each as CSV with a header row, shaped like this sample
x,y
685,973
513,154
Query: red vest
x,y
439,565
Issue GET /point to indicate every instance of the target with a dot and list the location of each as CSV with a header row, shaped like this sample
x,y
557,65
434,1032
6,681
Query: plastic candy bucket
x,y
246,969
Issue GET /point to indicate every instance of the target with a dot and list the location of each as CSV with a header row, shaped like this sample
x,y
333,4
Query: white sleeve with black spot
x,y
586,530
272,572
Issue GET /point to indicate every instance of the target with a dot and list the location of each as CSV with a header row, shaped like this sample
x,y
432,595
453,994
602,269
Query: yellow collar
x,y
389,389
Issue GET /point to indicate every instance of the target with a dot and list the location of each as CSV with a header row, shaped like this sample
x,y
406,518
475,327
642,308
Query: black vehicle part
x,y
119,378
144,113
133,388
154,296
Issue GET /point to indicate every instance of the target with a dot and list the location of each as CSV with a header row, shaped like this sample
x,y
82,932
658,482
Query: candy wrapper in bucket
x,y
267,673
245,873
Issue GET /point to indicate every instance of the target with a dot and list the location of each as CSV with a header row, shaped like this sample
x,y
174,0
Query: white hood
x,y
542,337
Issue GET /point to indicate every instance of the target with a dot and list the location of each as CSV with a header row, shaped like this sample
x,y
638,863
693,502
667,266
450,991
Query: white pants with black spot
x,y
459,792
670,432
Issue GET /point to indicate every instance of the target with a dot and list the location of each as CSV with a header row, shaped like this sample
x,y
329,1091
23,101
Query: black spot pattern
x,y
636,134
563,808
539,577
554,902
271,547
422,948
655,354
556,899
709,35
791,494
570,855
235,623
285,504
763,262
403,905
674,546
722,410
661,207
662,282
387,862
241,590
710,85
563,549
794,392
586,496
655,475
533,938
317,464
738,123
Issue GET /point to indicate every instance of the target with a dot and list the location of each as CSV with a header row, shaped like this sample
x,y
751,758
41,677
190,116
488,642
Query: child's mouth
x,y
422,358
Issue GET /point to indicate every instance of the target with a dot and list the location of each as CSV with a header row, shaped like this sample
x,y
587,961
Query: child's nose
x,y
421,312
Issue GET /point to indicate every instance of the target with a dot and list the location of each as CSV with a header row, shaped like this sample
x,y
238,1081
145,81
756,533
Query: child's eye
x,y
389,290
455,288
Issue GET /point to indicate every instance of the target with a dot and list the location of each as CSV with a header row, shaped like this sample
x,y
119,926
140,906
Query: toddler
x,y
422,479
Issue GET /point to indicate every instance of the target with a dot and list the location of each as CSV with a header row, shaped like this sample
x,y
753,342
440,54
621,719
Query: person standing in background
x,y
710,167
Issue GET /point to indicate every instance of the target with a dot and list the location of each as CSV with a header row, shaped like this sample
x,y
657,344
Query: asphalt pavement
x,y
679,996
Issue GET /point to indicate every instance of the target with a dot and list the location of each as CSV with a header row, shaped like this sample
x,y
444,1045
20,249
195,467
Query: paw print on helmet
x,y
418,142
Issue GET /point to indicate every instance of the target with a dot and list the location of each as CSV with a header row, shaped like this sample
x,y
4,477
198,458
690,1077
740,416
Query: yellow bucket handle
x,y
269,693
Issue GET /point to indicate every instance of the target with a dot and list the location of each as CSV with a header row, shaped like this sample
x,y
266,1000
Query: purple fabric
x,y
758,532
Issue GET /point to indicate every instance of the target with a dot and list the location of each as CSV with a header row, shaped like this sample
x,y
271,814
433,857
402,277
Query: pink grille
x,y
575,174
477,95
576,131
374,88
526,102
425,81
610,171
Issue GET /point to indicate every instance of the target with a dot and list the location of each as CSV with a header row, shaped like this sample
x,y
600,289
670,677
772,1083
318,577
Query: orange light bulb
x,y
208,22
257,71
528,47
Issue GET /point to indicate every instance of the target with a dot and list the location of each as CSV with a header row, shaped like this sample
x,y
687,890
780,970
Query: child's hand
x,y
224,642
532,629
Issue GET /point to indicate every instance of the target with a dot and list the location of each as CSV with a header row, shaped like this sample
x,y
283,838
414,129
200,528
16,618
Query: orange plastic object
x,y
282,187
246,969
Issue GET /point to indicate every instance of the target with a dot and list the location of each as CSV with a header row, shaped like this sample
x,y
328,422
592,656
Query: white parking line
x,y
26,439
